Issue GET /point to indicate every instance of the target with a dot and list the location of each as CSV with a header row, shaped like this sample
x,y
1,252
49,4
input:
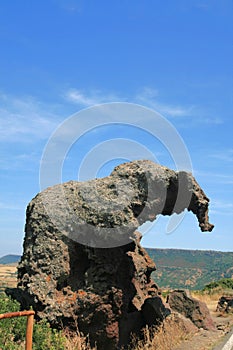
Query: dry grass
x,y
166,337
8,276
211,300
206,297
77,342
170,334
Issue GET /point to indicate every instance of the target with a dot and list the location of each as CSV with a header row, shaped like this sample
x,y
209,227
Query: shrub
x,y
12,331
224,283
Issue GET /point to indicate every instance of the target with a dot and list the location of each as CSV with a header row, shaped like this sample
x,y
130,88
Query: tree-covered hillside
x,y
192,269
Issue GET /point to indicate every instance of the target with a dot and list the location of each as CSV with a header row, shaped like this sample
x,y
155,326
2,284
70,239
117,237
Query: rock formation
x,y
83,265
191,308
225,304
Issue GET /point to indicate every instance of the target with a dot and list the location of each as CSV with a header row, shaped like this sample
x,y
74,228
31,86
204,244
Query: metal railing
x,y
29,330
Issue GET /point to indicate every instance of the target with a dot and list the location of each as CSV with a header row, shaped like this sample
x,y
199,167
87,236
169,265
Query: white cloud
x,y
195,114
219,178
71,5
25,119
149,97
226,155
93,98
8,206
217,203
21,161
221,207
202,5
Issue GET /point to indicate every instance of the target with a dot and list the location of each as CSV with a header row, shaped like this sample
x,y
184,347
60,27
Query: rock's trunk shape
x,y
83,265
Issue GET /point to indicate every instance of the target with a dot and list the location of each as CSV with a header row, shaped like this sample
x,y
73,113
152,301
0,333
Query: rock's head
x,y
82,262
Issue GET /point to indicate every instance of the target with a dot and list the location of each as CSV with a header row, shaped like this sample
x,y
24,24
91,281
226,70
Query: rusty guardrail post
x,y
29,330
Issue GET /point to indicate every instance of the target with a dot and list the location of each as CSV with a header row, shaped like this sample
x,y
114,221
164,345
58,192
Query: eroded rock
x,y
191,308
83,265
101,291
154,311
225,304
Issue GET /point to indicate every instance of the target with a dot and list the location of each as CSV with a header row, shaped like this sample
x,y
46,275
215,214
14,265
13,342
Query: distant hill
x,y
180,268
190,269
9,259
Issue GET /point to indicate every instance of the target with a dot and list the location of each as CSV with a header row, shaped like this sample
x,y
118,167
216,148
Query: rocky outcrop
x,y
105,212
154,311
225,304
83,265
102,291
185,323
191,308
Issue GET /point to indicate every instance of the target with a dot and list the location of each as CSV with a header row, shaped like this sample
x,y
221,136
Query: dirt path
x,y
209,340
227,343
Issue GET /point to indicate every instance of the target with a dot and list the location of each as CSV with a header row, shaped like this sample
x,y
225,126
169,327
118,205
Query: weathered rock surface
x,y
154,311
105,212
225,304
186,324
191,308
100,290
83,265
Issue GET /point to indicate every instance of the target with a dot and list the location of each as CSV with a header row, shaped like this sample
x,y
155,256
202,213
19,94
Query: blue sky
x,y
61,56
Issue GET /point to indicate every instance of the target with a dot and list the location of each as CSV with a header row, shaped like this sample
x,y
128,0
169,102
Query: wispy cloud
x,y
215,177
149,97
210,120
24,119
20,161
202,5
89,99
221,207
225,156
70,6
9,206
